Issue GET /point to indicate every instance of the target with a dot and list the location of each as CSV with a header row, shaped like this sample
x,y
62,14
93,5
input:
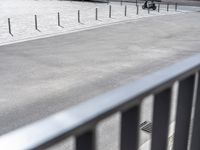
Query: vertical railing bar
x,y
86,141
130,128
195,137
161,116
183,114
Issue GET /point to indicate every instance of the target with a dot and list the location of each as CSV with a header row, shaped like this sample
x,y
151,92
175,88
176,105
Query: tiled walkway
x,y
23,25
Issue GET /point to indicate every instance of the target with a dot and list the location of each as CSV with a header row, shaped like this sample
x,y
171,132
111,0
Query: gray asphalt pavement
x,y
44,76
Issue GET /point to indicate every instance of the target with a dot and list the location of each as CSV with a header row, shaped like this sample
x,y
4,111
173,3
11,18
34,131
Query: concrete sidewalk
x,y
43,76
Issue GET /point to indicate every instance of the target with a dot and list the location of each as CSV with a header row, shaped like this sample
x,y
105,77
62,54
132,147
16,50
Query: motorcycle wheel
x,y
143,7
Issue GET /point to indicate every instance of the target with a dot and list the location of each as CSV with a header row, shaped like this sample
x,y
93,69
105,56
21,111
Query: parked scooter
x,y
149,4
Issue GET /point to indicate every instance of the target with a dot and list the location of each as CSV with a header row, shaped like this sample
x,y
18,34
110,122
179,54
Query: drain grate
x,y
143,123
146,126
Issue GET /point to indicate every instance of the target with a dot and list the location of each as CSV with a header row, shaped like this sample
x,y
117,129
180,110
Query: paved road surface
x,y
43,76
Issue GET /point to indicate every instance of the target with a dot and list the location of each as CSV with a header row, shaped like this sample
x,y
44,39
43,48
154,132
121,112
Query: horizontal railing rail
x,y
80,121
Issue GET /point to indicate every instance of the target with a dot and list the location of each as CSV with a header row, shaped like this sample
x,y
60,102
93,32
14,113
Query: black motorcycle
x,y
149,4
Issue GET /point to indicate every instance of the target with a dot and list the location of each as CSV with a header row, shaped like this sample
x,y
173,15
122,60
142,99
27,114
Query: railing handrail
x,y
77,119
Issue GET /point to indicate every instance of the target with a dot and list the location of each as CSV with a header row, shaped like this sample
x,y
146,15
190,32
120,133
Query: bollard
x,y
9,27
36,23
167,6
176,6
59,19
121,2
137,10
158,7
148,11
79,21
96,17
110,9
125,11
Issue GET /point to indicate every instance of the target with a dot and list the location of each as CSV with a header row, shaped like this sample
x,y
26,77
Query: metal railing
x,y
80,121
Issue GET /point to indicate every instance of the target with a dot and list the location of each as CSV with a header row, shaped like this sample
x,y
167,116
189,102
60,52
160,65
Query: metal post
x,y
176,6
130,128
125,11
158,7
167,6
148,10
86,141
183,114
96,12
137,10
58,19
136,2
9,27
110,9
195,144
161,115
79,16
36,23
